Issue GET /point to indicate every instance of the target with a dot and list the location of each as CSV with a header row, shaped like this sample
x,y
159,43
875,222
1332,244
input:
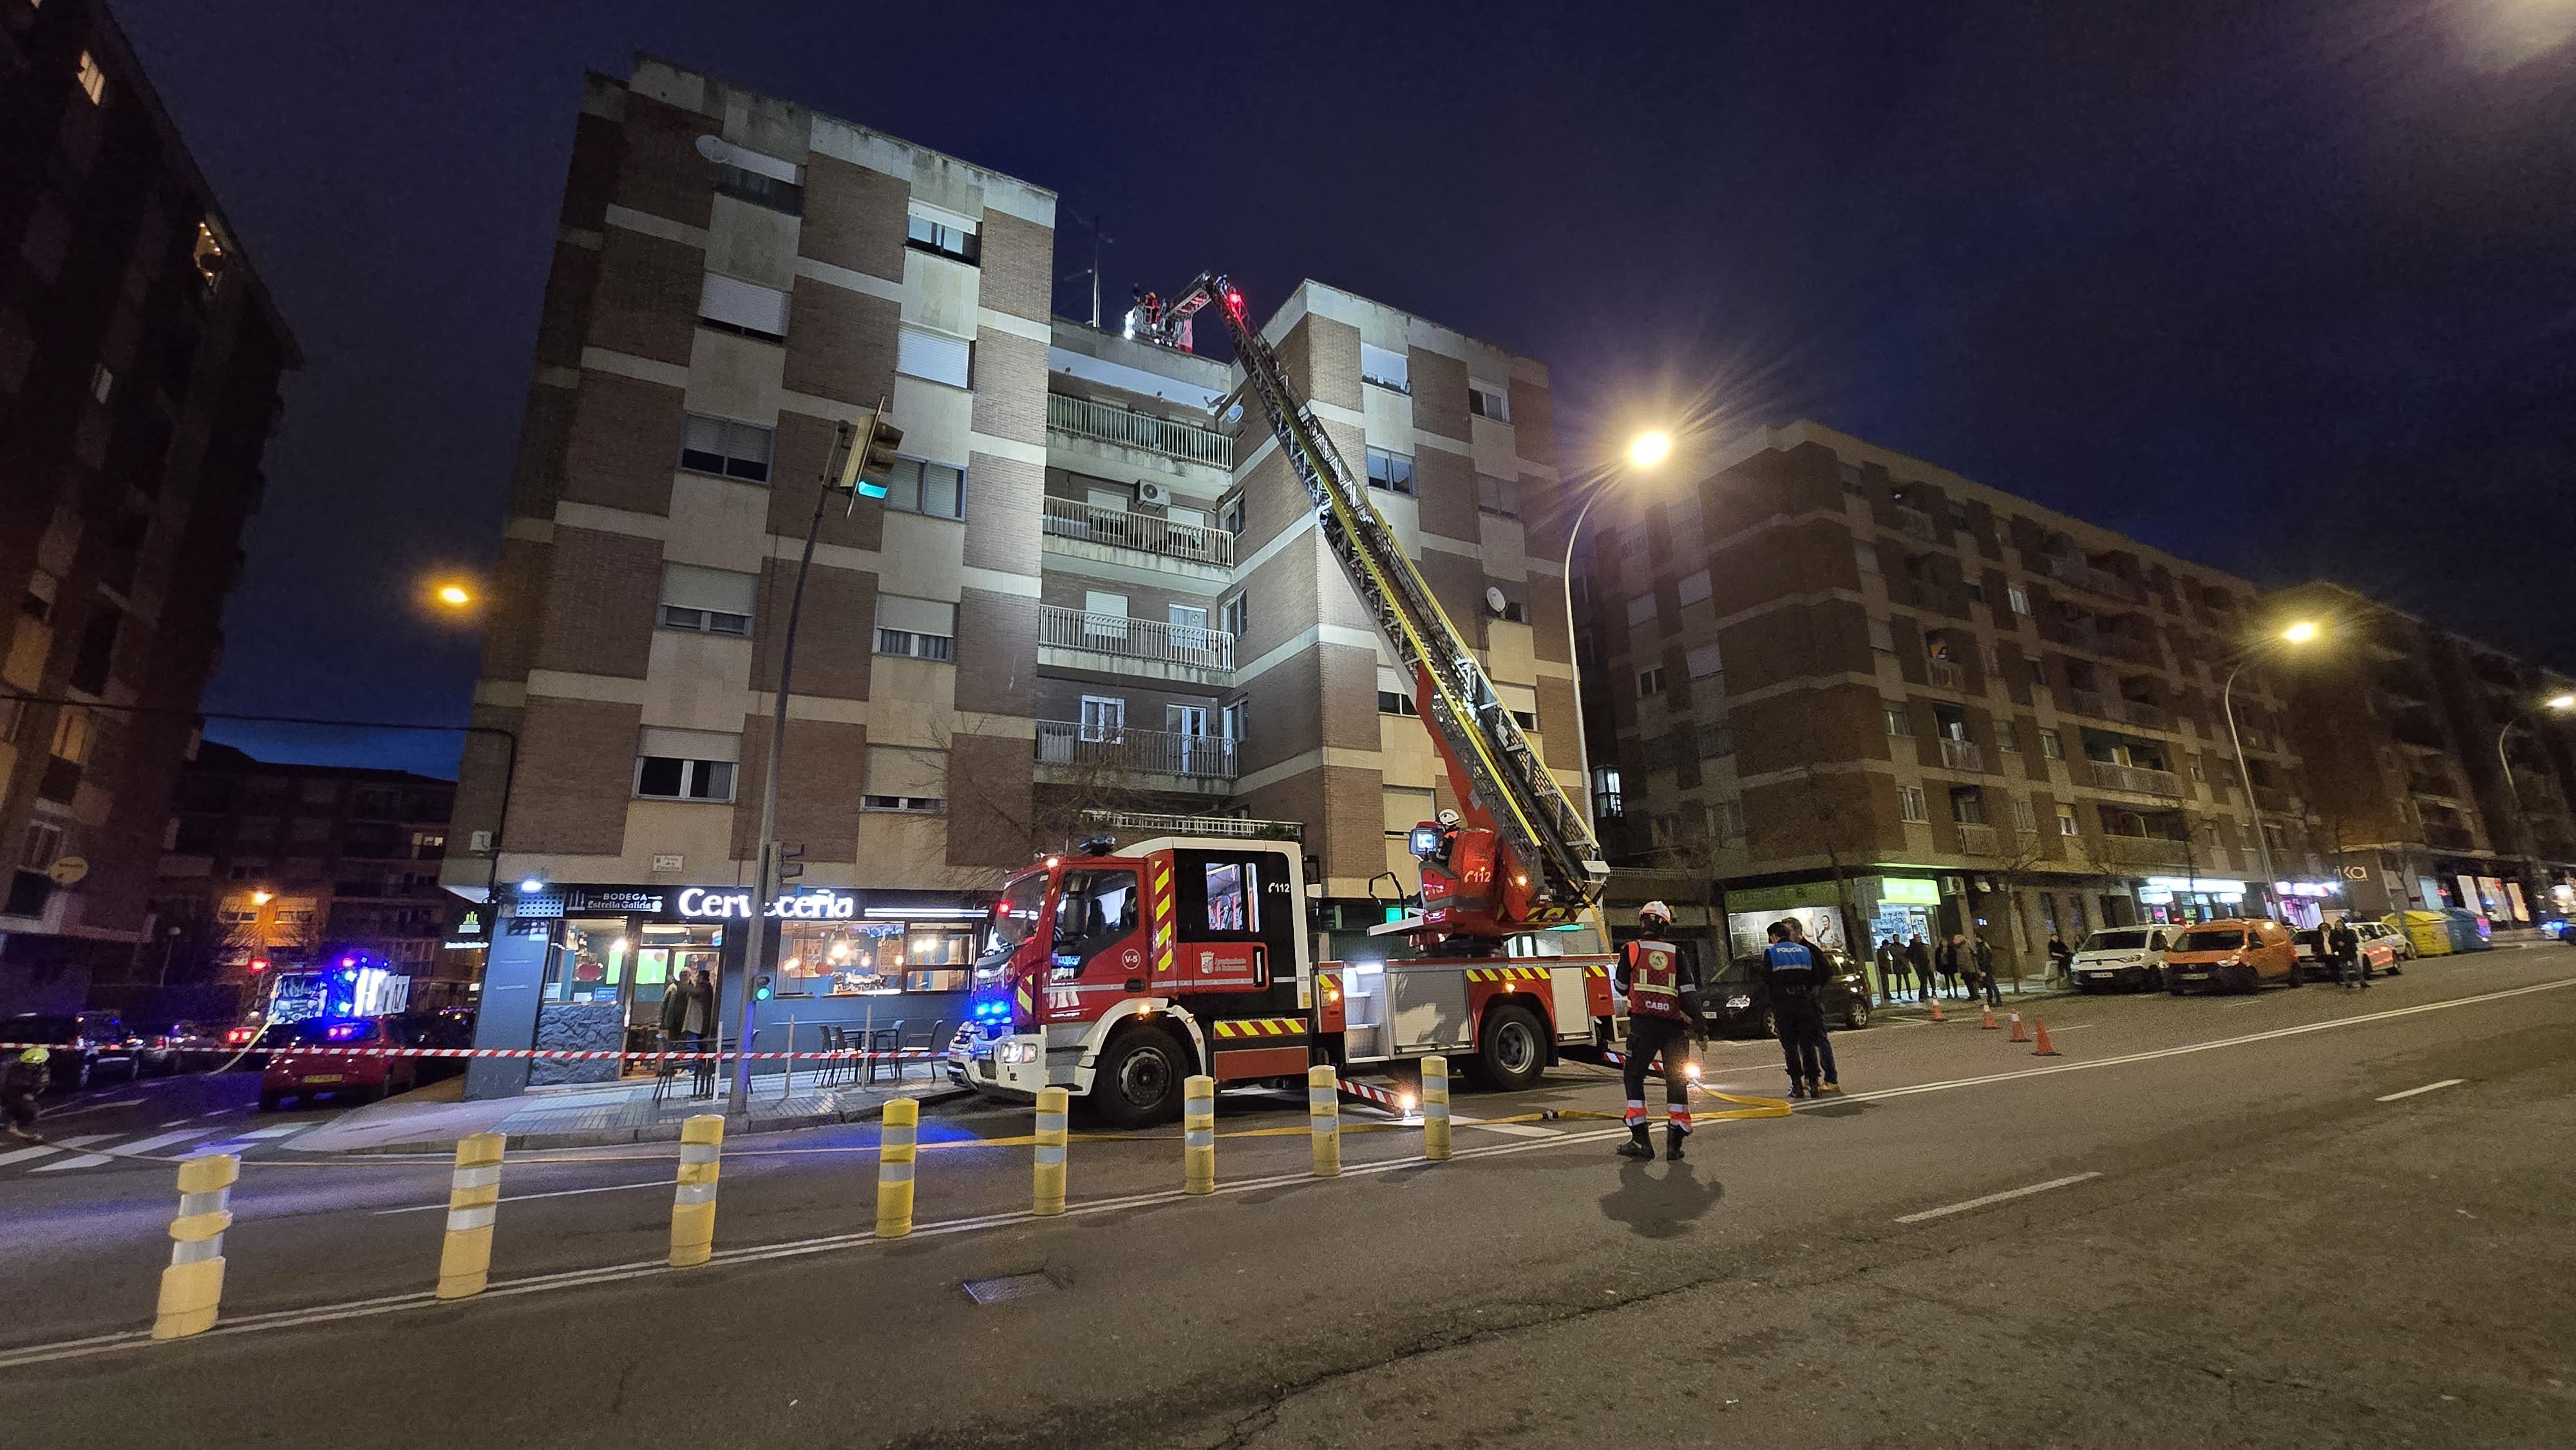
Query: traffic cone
x,y
2019,1032
2045,1048
1936,1011
1989,1024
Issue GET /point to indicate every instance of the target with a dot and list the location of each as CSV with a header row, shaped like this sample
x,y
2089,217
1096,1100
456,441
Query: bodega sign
x,y
700,903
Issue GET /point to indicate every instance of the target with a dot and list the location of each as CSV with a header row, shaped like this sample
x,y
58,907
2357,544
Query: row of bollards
x,y
192,1286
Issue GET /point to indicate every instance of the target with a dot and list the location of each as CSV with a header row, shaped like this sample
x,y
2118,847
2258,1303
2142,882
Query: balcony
x,y
1065,518
2144,714
2272,798
1077,640
2067,570
2145,851
1975,839
1961,754
1945,675
1069,754
1916,522
2449,838
1168,437
2135,779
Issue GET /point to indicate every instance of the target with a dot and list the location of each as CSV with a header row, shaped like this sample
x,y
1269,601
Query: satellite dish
x,y
1494,599
713,148
1234,414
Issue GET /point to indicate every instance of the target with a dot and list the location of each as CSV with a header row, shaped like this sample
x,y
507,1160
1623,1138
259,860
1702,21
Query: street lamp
x,y
2557,704
2300,632
1645,451
261,896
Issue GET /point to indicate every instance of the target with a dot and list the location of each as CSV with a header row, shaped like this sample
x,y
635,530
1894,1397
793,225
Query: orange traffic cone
x,y
1989,1024
2019,1032
2045,1048
1936,1011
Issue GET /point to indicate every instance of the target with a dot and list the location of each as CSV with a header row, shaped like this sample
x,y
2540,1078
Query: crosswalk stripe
x,y
277,1132
163,1140
86,1160
24,1154
1513,1130
84,1140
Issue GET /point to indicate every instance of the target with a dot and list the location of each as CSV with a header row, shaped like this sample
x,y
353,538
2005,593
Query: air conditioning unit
x,y
1148,491
480,843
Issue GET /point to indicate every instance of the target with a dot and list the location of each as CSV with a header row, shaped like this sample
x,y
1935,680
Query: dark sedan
x,y
83,1044
1738,1007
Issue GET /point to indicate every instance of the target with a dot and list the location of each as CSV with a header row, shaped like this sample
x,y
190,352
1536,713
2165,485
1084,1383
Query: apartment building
x,y
139,366
1831,680
2439,772
1095,585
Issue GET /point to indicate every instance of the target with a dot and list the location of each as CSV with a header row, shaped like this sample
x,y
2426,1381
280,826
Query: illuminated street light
x,y
2298,632
1650,448
261,897
455,596
2301,632
1644,451
2562,702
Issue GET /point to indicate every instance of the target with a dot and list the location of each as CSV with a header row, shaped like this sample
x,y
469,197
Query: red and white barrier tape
x,y
1392,1101
299,1050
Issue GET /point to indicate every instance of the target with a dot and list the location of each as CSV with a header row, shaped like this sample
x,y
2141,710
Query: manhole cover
x,y
1008,1287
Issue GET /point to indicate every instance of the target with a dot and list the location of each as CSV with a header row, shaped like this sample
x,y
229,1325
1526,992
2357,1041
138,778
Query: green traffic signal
x,y
760,989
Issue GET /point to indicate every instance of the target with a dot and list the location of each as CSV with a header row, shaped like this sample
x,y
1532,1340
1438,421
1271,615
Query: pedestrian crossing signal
x,y
760,989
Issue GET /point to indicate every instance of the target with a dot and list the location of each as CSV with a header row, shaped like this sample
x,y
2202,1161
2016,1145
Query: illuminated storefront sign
x,y
2160,890
700,903
1909,889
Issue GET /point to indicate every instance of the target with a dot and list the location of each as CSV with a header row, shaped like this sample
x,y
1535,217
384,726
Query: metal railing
x,y
2141,713
1167,436
2146,851
2142,780
1135,824
1946,675
2099,581
1072,519
1195,646
1154,752
1976,838
2449,838
1961,754
2273,799
1918,523
2087,702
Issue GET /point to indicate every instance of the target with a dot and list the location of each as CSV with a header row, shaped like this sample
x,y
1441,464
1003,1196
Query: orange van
x,y
2233,954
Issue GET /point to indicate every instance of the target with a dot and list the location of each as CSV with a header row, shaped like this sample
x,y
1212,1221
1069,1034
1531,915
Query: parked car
x,y
2317,963
1738,1007
2231,953
247,1046
84,1045
313,1061
2401,947
2122,956
183,1047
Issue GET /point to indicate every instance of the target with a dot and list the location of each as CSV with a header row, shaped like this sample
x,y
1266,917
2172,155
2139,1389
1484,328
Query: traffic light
x,y
789,859
760,988
867,468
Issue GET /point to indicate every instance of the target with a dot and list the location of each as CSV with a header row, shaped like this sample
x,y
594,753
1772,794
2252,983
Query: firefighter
x,y
1663,1011
20,1081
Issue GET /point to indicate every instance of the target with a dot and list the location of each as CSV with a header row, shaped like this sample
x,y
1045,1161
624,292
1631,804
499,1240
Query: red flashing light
x,y
1234,301
258,964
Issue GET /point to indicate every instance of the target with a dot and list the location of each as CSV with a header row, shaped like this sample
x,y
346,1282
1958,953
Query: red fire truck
x,y
1117,973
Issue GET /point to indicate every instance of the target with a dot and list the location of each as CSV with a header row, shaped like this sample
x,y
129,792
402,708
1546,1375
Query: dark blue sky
x,y
2287,287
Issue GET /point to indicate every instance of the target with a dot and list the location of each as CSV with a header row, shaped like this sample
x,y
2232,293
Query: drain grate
x,y
1008,1287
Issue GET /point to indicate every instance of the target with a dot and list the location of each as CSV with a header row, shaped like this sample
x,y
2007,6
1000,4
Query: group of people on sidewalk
x,y
1957,968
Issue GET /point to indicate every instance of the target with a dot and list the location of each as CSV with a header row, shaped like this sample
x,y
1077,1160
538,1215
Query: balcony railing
x,y
1072,519
1066,744
1169,437
1918,523
2099,581
1945,675
2146,851
1976,839
2088,702
2137,779
2141,713
1191,646
2273,799
1961,754
2423,784
2449,838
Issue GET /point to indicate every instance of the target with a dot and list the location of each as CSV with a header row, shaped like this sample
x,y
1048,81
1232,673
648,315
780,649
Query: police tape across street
x,y
913,1054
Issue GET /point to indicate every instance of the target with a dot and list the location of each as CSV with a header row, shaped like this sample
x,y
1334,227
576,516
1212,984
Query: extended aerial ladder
x,y
1521,856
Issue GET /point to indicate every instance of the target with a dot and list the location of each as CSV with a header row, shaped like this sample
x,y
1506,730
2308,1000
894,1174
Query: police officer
x,y
1791,976
1663,1010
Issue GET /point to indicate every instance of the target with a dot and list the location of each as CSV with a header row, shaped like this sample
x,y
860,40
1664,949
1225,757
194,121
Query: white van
x,y
2129,957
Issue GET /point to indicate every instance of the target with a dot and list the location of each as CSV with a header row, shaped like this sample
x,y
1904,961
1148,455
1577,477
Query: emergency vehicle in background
x,y
1117,973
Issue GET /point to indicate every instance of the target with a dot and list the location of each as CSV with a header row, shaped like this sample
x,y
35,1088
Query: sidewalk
x,y
2031,991
433,1118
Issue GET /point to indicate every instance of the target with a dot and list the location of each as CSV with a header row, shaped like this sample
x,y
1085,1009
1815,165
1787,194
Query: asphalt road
x,y
2221,1233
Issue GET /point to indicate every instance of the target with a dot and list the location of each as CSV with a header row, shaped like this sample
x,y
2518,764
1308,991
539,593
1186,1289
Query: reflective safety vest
x,y
1654,973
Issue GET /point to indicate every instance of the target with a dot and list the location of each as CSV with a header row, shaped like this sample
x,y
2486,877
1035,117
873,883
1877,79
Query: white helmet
x,y
1655,911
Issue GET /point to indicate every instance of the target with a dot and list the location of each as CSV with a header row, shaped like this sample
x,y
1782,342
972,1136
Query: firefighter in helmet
x,y
20,1081
1663,1014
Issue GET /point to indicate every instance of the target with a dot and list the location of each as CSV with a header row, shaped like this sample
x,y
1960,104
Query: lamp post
x,y
2558,704
1644,451
2299,633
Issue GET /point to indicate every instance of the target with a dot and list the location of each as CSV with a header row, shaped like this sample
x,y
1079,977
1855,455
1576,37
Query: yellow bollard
x,y
1048,1196
896,1146
693,1204
193,1285
1324,1119
1435,1108
473,1196
1198,1135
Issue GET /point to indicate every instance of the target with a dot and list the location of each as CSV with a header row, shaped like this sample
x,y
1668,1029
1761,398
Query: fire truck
x,y
1116,973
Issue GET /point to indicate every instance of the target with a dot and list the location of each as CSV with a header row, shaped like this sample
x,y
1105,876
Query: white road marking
x,y
1514,1130
86,1160
524,1197
27,1154
277,1132
174,1122
2426,1088
84,1140
163,1140
1992,1198
93,1108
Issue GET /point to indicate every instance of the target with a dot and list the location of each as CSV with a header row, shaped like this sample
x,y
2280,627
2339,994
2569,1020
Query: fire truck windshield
x,y
1014,918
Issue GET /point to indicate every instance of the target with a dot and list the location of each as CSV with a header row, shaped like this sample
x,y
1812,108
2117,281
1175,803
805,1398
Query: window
x,y
1104,718
38,602
730,304
1234,616
1705,661
1395,702
1230,719
1189,626
943,239
1650,683
711,601
1498,496
1488,401
724,447
915,486
1641,610
1866,555
1606,799
921,629
917,804
665,777
2050,746
1726,820
774,193
13,712
1229,515
1882,636
1968,806
1104,615
101,382
1390,471
1384,368
97,650
1897,721
908,780
2066,825
1910,805
2023,818
2007,737
1960,518
2018,597
93,81
933,357
1716,741
1693,586
1851,480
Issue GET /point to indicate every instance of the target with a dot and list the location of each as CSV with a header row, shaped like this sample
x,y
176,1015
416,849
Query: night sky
x,y
2286,287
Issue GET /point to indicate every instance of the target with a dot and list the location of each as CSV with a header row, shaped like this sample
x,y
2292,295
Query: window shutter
x,y
931,357
692,587
916,616
746,305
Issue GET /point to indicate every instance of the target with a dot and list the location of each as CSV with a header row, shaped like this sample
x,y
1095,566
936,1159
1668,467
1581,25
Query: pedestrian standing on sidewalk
x,y
1921,957
1945,960
2345,943
2061,959
1985,954
1891,969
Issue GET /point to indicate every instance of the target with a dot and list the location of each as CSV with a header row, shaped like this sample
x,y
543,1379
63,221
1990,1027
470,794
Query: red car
x,y
305,1064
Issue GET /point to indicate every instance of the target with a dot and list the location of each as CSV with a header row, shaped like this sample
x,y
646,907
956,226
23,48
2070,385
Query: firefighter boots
x,y
1673,1144
1637,1146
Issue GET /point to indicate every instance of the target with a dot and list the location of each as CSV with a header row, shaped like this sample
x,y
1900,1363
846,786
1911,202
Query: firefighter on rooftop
x,y
1663,1014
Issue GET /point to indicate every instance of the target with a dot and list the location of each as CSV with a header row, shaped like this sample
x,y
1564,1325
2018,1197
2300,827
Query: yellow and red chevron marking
x,y
1162,904
1596,971
1027,1003
1506,974
1232,1027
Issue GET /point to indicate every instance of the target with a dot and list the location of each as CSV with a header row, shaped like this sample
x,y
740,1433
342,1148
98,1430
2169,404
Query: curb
x,y
665,1132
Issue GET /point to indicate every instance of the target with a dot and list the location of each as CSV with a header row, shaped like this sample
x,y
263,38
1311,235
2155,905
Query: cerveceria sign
x,y
699,903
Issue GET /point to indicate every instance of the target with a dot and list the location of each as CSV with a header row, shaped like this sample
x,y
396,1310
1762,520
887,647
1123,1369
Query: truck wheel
x,y
1511,1051
1138,1081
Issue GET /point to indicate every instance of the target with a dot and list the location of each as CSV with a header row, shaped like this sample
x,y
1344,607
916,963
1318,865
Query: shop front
x,y
2182,900
1885,905
591,968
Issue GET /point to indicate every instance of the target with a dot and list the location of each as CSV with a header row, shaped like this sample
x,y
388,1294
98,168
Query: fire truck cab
x,y
1118,975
